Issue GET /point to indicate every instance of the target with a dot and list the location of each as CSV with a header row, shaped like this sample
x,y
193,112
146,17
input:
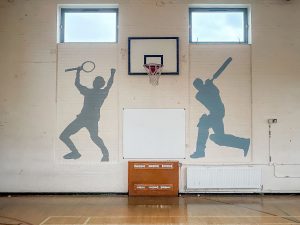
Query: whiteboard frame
x,y
139,140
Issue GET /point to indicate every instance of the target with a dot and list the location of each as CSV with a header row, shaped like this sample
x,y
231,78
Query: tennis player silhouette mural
x,y
90,113
209,95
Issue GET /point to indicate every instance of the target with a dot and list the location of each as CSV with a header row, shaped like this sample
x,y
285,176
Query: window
x,y
88,25
218,25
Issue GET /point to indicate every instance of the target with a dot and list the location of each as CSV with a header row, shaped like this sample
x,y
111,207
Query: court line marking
x,y
45,220
49,217
87,220
90,217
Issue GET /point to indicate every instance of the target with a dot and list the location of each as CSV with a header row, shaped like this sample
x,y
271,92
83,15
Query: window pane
x,y
210,26
90,27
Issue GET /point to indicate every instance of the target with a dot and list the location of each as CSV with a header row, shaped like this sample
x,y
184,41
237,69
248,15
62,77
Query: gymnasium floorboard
x,y
96,210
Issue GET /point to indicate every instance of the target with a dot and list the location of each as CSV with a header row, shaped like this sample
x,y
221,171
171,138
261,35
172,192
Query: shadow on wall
x,y
209,95
90,113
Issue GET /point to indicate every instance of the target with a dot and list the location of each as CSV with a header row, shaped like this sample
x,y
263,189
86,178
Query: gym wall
x,y
38,99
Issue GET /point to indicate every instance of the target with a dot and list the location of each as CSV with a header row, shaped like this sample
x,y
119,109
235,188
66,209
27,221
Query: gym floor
x,y
121,209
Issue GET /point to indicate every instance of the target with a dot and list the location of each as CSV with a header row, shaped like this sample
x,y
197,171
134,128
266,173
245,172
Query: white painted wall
x,y
35,107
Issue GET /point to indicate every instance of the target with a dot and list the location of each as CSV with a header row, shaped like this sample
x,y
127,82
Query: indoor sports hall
x,y
143,112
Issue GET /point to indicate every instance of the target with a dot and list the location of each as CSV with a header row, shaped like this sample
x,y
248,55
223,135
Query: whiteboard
x,y
154,133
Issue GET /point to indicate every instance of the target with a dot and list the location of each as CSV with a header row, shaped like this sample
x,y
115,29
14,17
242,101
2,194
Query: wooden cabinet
x,y
153,178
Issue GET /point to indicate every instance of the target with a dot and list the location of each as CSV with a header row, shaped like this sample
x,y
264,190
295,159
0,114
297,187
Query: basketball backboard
x,y
160,50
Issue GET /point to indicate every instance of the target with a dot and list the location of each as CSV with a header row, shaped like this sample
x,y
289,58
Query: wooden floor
x,y
205,209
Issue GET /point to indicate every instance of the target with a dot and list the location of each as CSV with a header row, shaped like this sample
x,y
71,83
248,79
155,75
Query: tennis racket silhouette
x,y
87,66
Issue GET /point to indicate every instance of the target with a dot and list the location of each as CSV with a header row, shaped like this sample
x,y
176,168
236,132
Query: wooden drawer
x,y
151,178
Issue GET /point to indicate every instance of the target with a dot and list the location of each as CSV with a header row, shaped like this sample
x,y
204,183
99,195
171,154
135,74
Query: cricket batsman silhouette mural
x,y
90,113
209,95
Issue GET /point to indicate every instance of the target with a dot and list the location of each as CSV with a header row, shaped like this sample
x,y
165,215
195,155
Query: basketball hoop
x,y
153,70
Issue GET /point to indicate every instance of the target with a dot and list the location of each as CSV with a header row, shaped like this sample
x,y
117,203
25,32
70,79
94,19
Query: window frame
x,y
64,10
245,12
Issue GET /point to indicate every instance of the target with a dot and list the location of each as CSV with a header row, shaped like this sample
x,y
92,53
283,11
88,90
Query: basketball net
x,y
153,70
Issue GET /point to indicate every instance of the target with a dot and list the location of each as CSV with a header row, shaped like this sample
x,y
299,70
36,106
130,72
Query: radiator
x,y
223,177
